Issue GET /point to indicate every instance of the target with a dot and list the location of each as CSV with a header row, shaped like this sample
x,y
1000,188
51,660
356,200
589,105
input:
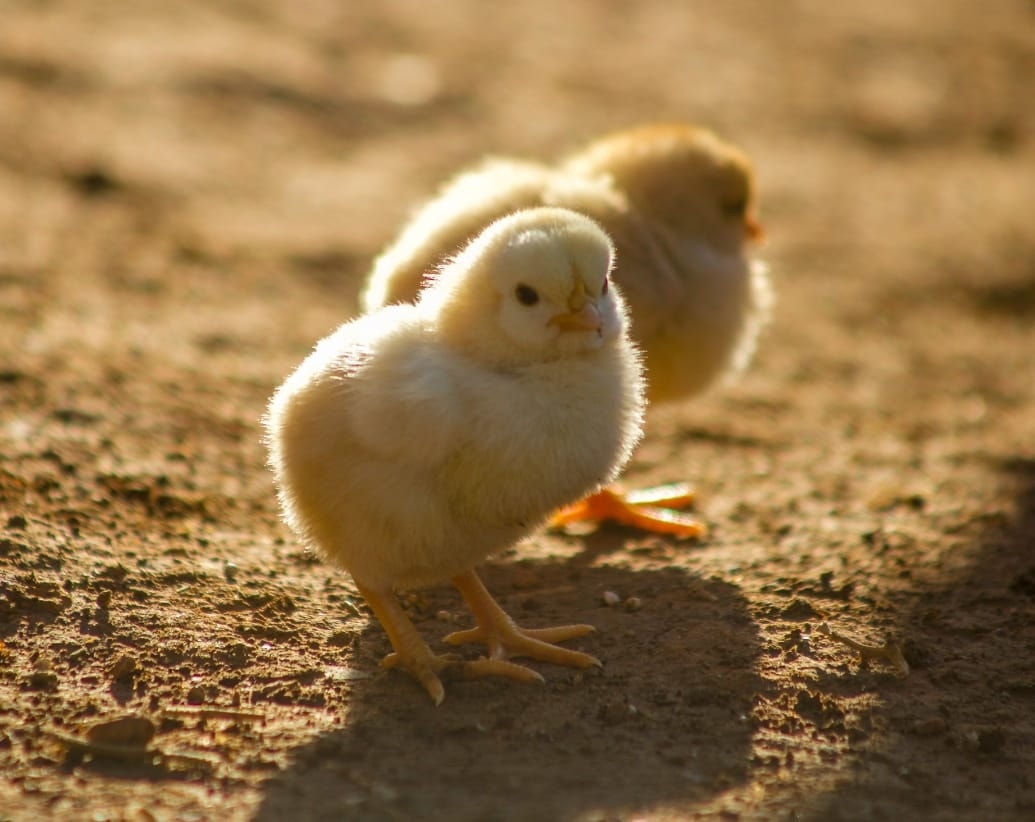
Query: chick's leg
x,y
497,630
411,651
413,655
648,510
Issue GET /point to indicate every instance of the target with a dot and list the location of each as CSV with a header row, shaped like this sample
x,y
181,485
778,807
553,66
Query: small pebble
x,y
130,731
615,713
43,681
983,739
611,599
930,726
123,668
633,604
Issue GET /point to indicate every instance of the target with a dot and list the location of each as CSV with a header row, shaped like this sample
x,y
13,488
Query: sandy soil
x,y
190,195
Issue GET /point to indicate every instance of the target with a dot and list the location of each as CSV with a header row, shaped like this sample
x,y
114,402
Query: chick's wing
x,y
397,391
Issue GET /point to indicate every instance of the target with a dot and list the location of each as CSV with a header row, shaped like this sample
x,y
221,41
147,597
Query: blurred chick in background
x,y
679,204
419,439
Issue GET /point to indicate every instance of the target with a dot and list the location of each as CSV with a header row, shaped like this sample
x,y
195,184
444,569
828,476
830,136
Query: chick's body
x,y
678,203
676,200
429,461
417,440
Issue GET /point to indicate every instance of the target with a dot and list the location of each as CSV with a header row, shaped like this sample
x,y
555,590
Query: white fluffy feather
x,y
418,439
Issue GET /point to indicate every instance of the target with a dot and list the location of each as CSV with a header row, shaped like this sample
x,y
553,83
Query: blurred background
x,y
148,142
271,128
191,193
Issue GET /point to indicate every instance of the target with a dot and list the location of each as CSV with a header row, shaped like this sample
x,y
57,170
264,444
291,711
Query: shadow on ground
x,y
965,717
666,720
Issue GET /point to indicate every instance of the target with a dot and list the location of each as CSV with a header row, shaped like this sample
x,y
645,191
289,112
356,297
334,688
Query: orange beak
x,y
584,314
586,318
754,229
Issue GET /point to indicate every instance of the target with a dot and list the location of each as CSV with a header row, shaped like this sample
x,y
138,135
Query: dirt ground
x,y
190,196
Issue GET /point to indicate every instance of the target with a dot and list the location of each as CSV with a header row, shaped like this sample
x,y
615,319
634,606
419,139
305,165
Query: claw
x,y
413,655
505,639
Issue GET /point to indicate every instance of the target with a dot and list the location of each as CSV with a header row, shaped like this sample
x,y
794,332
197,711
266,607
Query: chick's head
x,y
682,176
533,287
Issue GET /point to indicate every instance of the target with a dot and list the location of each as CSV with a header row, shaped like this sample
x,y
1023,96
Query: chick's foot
x,y
413,655
505,639
649,510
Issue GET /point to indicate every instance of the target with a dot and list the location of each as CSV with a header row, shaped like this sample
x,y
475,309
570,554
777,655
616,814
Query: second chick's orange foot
x,y
419,439
648,509
679,204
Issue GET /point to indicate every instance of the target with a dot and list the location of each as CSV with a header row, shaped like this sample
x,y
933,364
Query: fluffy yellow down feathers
x,y
418,439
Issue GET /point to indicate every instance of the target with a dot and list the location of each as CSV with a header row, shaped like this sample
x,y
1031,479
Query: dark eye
x,y
603,288
736,208
526,295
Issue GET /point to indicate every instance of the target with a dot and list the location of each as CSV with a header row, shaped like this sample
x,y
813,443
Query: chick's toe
x,y
505,639
413,655
640,509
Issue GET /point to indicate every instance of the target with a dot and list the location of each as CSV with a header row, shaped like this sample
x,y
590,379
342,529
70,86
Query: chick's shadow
x,y
666,721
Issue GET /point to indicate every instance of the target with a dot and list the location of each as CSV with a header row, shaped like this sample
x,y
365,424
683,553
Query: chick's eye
x,y
736,208
526,295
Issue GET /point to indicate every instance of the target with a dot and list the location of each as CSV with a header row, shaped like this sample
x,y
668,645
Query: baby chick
x,y
419,439
679,204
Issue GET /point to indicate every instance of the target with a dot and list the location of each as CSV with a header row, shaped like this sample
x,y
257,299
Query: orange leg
x,y
503,638
649,510
413,655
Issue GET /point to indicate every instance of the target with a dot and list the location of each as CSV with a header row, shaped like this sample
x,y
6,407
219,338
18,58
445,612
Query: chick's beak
x,y
753,228
585,318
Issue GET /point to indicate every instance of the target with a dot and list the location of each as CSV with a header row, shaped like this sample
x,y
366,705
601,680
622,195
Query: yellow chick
x,y
419,439
679,204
